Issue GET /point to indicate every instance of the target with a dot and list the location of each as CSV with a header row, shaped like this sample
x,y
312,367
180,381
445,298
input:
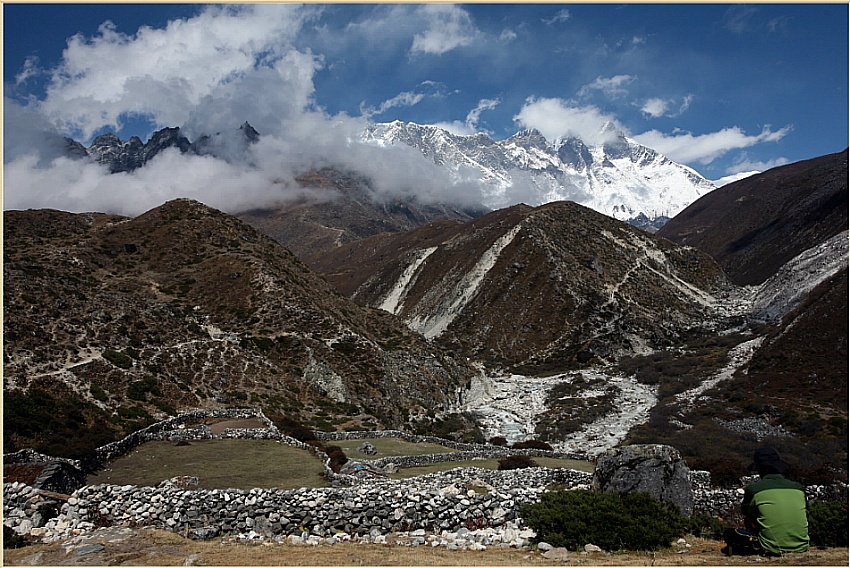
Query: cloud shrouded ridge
x,y
207,74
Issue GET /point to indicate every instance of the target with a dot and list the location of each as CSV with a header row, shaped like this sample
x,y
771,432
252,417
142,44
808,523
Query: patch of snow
x,y
511,404
726,180
797,277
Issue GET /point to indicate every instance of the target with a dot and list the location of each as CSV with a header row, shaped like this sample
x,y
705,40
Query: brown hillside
x,y
754,226
110,322
340,208
569,285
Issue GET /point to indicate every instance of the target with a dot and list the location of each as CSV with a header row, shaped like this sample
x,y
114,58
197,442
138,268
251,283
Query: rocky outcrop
x,y
654,469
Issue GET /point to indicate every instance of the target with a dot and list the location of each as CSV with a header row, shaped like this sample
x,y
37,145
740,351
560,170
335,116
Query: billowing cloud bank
x,y
208,74
228,64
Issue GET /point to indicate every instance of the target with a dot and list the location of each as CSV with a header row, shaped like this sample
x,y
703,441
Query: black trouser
x,y
743,542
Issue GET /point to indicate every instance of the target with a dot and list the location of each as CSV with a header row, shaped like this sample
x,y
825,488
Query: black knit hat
x,y
765,459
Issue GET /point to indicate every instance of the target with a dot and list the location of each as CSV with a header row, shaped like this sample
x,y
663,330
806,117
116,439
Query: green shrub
x,y
704,526
118,359
828,524
11,539
516,462
291,427
532,445
612,521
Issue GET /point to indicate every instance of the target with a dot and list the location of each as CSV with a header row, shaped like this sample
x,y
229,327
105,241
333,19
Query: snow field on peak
x,y
637,180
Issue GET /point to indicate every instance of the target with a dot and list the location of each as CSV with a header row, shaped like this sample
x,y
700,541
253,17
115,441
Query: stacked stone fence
x,y
470,499
460,499
483,450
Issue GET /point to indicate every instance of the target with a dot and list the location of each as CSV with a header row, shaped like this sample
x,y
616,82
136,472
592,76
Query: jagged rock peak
x,y
250,132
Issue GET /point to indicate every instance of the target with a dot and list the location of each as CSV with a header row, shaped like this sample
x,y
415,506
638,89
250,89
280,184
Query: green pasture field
x,y
389,447
218,464
245,464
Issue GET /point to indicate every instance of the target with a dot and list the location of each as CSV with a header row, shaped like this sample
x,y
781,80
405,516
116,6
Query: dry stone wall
x,y
467,498
461,504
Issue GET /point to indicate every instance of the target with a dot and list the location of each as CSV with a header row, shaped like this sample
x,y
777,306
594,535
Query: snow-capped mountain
x,y
126,156
618,177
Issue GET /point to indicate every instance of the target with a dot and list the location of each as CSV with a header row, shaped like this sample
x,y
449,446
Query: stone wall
x,y
463,499
468,498
483,450
174,429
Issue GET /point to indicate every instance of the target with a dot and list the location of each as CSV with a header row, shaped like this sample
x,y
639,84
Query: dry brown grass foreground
x,y
147,547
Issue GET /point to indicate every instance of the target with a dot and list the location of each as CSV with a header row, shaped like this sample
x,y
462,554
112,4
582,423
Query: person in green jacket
x,y
774,511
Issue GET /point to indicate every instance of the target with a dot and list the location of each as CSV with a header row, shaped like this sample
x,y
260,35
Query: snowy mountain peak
x,y
617,176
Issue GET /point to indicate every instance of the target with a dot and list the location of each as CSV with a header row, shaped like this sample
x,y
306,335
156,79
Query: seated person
x,y
774,511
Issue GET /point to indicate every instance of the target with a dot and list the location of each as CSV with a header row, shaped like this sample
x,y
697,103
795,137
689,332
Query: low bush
x,y
118,359
11,539
337,457
704,526
498,441
828,525
612,521
293,428
516,462
532,445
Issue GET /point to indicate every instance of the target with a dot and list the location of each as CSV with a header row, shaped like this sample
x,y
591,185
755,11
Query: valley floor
x,y
146,547
510,406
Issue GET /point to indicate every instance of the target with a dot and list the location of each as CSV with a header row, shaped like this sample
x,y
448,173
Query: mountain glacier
x,y
618,177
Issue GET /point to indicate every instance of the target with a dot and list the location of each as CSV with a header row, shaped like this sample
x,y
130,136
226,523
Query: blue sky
x,y
722,88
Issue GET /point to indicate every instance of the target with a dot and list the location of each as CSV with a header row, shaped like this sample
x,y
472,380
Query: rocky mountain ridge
x,y
111,320
755,225
578,286
618,177
125,156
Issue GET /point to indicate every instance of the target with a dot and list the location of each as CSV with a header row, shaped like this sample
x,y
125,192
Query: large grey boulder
x,y
650,468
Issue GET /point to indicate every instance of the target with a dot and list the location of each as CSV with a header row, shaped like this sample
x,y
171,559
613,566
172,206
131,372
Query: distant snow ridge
x,y
619,177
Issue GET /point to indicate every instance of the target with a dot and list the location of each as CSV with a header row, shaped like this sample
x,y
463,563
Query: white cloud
x,y
448,27
555,118
469,126
687,148
657,107
745,164
206,74
559,17
170,73
508,35
612,87
30,69
404,99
